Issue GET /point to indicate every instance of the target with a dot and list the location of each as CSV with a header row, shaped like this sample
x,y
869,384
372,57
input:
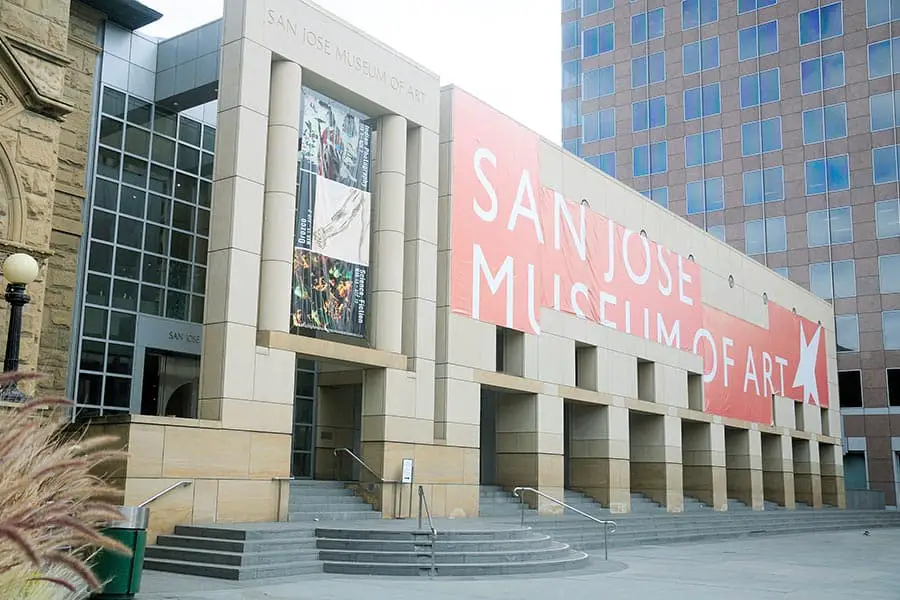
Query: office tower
x,y
771,124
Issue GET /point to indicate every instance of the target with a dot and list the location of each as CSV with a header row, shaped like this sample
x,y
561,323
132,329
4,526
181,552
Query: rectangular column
x,y
832,466
598,455
743,463
778,470
807,474
656,468
530,446
703,458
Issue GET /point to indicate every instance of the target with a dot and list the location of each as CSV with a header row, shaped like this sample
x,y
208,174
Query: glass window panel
x,y
130,232
139,112
847,333
97,290
821,23
597,83
103,225
94,322
571,74
758,40
206,165
156,239
154,269
890,324
844,279
717,231
651,159
189,131
179,275
646,69
151,300
117,392
570,37
158,209
776,234
571,113
125,295
751,5
209,138
128,263
598,40
163,150
833,71
111,132
113,103
101,256
882,11
106,194
698,12
165,122
197,309
121,326
199,280
204,197
185,187
700,56
93,355
188,159
181,247
884,164
90,391
183,216
889,273
108,163
160,180
887,218
203,222
134,171
201,250
177,305
119,359
137,141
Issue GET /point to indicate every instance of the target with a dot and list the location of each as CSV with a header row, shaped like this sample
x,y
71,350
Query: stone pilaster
x,y
743,463
778,470
807,473
656,467
832,466
703,456
598,455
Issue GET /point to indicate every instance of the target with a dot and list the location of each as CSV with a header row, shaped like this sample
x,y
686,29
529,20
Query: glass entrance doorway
x,y
303,442
171,383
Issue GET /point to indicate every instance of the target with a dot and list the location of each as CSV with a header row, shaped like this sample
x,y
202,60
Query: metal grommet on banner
x,y
584,202
794,310
644,233
731,281
765,298
691,257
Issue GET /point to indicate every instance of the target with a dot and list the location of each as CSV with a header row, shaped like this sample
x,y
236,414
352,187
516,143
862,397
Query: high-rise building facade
x,y
771,124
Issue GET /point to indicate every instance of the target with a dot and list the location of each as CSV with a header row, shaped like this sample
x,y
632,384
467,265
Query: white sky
x,y
506,52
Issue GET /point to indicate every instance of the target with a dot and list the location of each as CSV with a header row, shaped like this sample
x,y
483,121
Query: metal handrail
x,y
363,464
156,497
432,531
608,526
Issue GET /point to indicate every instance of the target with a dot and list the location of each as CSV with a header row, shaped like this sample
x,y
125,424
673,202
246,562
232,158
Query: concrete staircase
x,y
454,552
314,501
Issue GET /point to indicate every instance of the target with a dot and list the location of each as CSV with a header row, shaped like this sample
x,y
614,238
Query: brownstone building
x,y
48,56
771,124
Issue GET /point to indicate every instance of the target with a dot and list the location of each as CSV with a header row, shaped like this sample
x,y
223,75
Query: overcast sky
x,y
506,52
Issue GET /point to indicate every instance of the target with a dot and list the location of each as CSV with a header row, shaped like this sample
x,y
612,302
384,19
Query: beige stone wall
x,y
47,60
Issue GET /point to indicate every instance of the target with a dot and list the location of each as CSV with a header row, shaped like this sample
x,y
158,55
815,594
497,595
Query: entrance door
x,y
303,442
171,383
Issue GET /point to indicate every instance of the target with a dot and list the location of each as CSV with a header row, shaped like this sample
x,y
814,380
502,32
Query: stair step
x,y
238,559
312,517
234,573
219,545
577,561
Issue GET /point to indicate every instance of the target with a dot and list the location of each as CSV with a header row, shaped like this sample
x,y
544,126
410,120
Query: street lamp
x,y
19,270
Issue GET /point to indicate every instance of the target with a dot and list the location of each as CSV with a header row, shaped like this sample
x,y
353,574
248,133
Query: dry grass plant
x,y
51,503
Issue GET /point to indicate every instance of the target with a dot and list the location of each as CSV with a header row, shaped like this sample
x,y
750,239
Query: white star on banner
x,y
806,369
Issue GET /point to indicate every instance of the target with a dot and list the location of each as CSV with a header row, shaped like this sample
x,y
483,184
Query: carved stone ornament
x,y
20,90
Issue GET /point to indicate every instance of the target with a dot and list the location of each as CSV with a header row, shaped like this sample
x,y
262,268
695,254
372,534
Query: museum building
x,y
300,249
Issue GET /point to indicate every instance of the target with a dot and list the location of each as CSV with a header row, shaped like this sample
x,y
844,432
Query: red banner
x,y
518,247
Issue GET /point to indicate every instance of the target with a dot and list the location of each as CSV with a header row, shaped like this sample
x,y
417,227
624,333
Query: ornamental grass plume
x,y
51,503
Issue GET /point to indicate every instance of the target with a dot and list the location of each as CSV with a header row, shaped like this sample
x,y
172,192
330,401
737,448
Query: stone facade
x,y
48,53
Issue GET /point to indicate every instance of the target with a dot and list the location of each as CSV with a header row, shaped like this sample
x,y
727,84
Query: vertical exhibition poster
x,y
334,208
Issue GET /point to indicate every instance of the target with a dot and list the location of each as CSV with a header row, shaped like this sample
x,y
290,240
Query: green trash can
x,y
122,574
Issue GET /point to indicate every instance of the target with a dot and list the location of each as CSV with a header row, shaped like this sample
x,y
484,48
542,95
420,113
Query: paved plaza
x,y
826,566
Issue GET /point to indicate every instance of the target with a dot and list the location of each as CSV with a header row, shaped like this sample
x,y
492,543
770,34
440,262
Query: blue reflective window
x,y
705,195
599,125
573,146
759,137
830,174
700,56
571,73
760,88
761,236
826,227
884,164
882,11
648,26
745,6
659,195
884,58
766,185
650,159
703,148
717,231
571,113
758,40
597,83
821,23
648,69
823,73
599,40
827,123
884,111
570,37
569,5
783,271
648,114
606,162
702,101
590,7
698,12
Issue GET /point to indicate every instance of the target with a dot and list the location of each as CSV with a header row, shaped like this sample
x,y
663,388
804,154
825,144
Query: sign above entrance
x,y
519,247
168,334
